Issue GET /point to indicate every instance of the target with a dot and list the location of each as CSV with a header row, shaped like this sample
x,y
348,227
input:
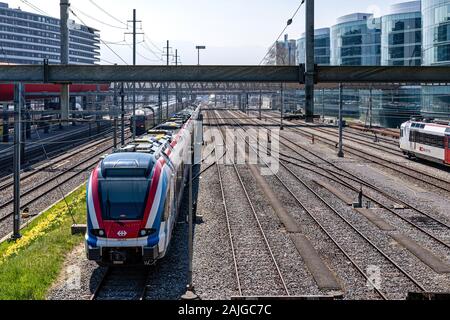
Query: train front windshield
x,y
123,199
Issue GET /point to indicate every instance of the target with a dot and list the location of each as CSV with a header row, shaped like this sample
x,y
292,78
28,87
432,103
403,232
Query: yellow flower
x,y
54,217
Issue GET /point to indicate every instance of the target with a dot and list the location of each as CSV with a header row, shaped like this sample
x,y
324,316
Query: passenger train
x,y
428,140
134,195
145,119
147,116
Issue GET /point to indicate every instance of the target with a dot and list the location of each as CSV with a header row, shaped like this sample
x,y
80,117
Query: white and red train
x,y
426,140
133,196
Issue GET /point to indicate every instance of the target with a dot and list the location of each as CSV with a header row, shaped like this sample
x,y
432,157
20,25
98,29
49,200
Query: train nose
x,y
123,230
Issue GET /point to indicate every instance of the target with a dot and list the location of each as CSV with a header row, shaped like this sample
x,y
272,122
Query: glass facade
x,y
321,47
391,105
401,39
282,53
326,102
356,40
436,32
436,51
28,38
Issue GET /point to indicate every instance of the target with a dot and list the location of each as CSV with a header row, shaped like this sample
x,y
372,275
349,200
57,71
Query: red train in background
x,y
7,90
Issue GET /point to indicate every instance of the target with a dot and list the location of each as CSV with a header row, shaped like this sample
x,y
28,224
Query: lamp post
x,y
198,53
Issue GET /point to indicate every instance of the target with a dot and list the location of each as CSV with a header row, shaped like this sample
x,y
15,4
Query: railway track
x,y
338,174
415,174
81,167
351,131
395,151
36,154
26,174
417,284
122,283
247,253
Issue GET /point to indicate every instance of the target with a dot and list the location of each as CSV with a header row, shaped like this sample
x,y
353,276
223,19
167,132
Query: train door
x,y
447,149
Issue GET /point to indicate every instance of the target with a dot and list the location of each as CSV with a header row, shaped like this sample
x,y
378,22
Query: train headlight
x,y
98,232
146,232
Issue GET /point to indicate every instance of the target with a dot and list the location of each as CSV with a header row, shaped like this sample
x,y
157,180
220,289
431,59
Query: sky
x,y
234,31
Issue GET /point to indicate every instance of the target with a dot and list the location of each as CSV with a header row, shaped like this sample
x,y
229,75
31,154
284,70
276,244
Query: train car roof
x,y
171,126
429,127
127,163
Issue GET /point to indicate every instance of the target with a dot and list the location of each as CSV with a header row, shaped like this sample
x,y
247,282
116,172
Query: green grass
x,y
29,267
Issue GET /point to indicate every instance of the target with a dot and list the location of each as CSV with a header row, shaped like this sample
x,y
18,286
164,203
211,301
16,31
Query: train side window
x,y
401,133
166,208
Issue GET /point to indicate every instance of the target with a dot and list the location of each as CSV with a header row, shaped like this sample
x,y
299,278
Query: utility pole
x,y
341,94
134,33
160,102
309,65
167,91
176,84
5,123
64,43
176,57
260,104
198,53
247,102
370,107
115,113
18,104
282,106
323,105
122,115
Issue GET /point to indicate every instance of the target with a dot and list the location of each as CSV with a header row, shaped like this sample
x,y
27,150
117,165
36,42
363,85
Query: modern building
x,y
282,53
401,35
356,40
401,45
436,51
29,38
321,47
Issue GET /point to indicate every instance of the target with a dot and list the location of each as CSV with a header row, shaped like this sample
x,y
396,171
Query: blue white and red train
x,y
134,194
428,140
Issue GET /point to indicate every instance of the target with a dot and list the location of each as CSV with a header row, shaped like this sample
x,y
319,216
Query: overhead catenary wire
x,y
145,46
107,13
34,7
97,20
288,23
106,61
112,50
69,207
153,44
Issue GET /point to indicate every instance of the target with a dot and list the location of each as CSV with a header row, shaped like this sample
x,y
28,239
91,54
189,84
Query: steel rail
x,y
371,186
227,217
258,223
57,159
379,250
378,160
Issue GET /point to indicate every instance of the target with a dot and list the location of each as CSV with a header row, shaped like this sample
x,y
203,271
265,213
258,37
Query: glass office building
x,y
282,53
356,40
29,38
401,36
401,45
436,51
321,47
